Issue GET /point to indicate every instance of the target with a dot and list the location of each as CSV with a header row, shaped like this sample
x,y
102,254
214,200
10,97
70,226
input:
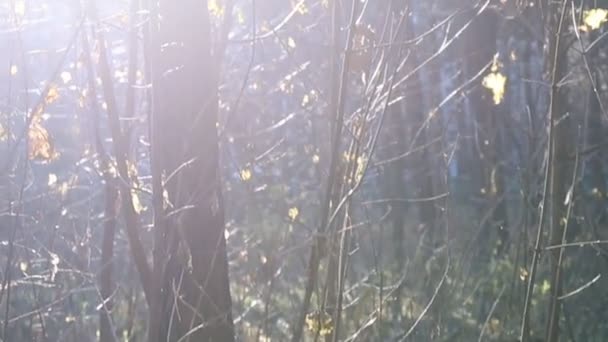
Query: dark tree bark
x,y
192,302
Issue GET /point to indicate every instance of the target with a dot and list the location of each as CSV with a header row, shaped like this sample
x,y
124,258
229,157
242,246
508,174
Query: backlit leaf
x,y
293,213
66,77
545,287
245,174
137,205
52,179
19,8
215,9
240,17
302,8
320,322
594,18
496,83
523,274
40,143
52,95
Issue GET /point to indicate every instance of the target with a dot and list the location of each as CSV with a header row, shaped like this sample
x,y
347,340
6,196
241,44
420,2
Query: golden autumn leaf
x,y
240,17
245,174
545,287
523,274
52,95
305,100
496,83
495,325
19,8
594,18
215,8
321,322
137,205
301,8
66,77
40,143
293,213
52,180
291,43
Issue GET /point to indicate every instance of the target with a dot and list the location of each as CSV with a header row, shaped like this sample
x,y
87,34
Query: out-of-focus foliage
x,y
414,141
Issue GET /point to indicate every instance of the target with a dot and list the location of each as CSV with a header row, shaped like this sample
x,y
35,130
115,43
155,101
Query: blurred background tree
x,y
384,171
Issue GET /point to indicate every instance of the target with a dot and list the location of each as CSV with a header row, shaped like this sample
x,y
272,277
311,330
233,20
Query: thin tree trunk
x,y
106,286
194,302
561,167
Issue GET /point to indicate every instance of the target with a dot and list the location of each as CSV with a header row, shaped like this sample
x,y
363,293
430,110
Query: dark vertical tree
x,y
562,181
192,299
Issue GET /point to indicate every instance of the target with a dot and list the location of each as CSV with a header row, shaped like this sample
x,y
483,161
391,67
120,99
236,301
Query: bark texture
x,y
193,302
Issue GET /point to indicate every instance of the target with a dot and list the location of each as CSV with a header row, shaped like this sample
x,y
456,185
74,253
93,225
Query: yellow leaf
x,y
545,287
14,70
40,143
240,17
245,174
293,213
321,322
494,325
66,77
215,9
594,18
137,205
301,8
52,180
496,83
52,95
291,43
19,8
305,100
361,162
523,274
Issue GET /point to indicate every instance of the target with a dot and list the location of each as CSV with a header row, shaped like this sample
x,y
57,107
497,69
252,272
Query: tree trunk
x,y
561,166
193,302
106,287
